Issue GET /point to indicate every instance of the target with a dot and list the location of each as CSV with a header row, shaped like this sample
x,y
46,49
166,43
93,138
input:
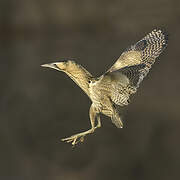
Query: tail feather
x,y
116,119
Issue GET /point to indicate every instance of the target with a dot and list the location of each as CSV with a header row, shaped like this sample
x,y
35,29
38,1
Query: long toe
x,y
74,139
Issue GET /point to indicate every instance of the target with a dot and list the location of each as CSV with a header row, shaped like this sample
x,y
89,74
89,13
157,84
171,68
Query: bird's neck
x,y
81,82
80,76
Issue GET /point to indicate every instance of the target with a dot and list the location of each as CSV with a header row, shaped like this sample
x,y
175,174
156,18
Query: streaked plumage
x,y
117,85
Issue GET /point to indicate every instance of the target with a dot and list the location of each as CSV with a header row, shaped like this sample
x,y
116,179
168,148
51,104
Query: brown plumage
x,y
117,85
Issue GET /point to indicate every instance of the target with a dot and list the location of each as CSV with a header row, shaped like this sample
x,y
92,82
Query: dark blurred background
x,y
40,106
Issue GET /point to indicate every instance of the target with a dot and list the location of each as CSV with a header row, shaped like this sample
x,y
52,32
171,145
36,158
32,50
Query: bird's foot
x,y
75,139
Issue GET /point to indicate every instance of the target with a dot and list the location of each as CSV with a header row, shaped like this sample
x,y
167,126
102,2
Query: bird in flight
x,y
117,84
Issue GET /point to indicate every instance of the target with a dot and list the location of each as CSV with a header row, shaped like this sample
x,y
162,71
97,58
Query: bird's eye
x,y
89,81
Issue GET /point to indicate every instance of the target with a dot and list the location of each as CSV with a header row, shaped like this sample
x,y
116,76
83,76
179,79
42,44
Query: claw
x,y
82,139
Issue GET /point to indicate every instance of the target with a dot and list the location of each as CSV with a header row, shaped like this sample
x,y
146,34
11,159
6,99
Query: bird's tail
x,y
116,119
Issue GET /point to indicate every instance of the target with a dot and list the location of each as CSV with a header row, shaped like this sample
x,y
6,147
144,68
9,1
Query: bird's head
x,y
60,66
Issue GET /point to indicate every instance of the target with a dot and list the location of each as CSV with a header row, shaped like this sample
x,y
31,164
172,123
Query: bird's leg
x,y
99,121
74,139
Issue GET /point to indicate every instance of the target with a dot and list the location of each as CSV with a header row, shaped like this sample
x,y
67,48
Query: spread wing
x,y
144,51
124,77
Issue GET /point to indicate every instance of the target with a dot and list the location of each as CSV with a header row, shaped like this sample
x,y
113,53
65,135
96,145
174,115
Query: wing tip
x,y
166,36
164,33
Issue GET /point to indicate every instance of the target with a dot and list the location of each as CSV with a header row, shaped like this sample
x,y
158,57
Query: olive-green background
x,y
39,106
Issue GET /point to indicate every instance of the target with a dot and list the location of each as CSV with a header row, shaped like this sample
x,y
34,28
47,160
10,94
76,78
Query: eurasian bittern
x,y
118,83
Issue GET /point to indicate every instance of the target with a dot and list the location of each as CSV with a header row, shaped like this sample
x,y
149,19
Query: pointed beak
x,y
51,65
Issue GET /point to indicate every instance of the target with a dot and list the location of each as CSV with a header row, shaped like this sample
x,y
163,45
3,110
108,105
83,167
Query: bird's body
x,y
117,85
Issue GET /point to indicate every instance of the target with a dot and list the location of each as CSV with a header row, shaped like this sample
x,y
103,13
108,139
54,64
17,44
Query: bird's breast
x,y
95,95
99,93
